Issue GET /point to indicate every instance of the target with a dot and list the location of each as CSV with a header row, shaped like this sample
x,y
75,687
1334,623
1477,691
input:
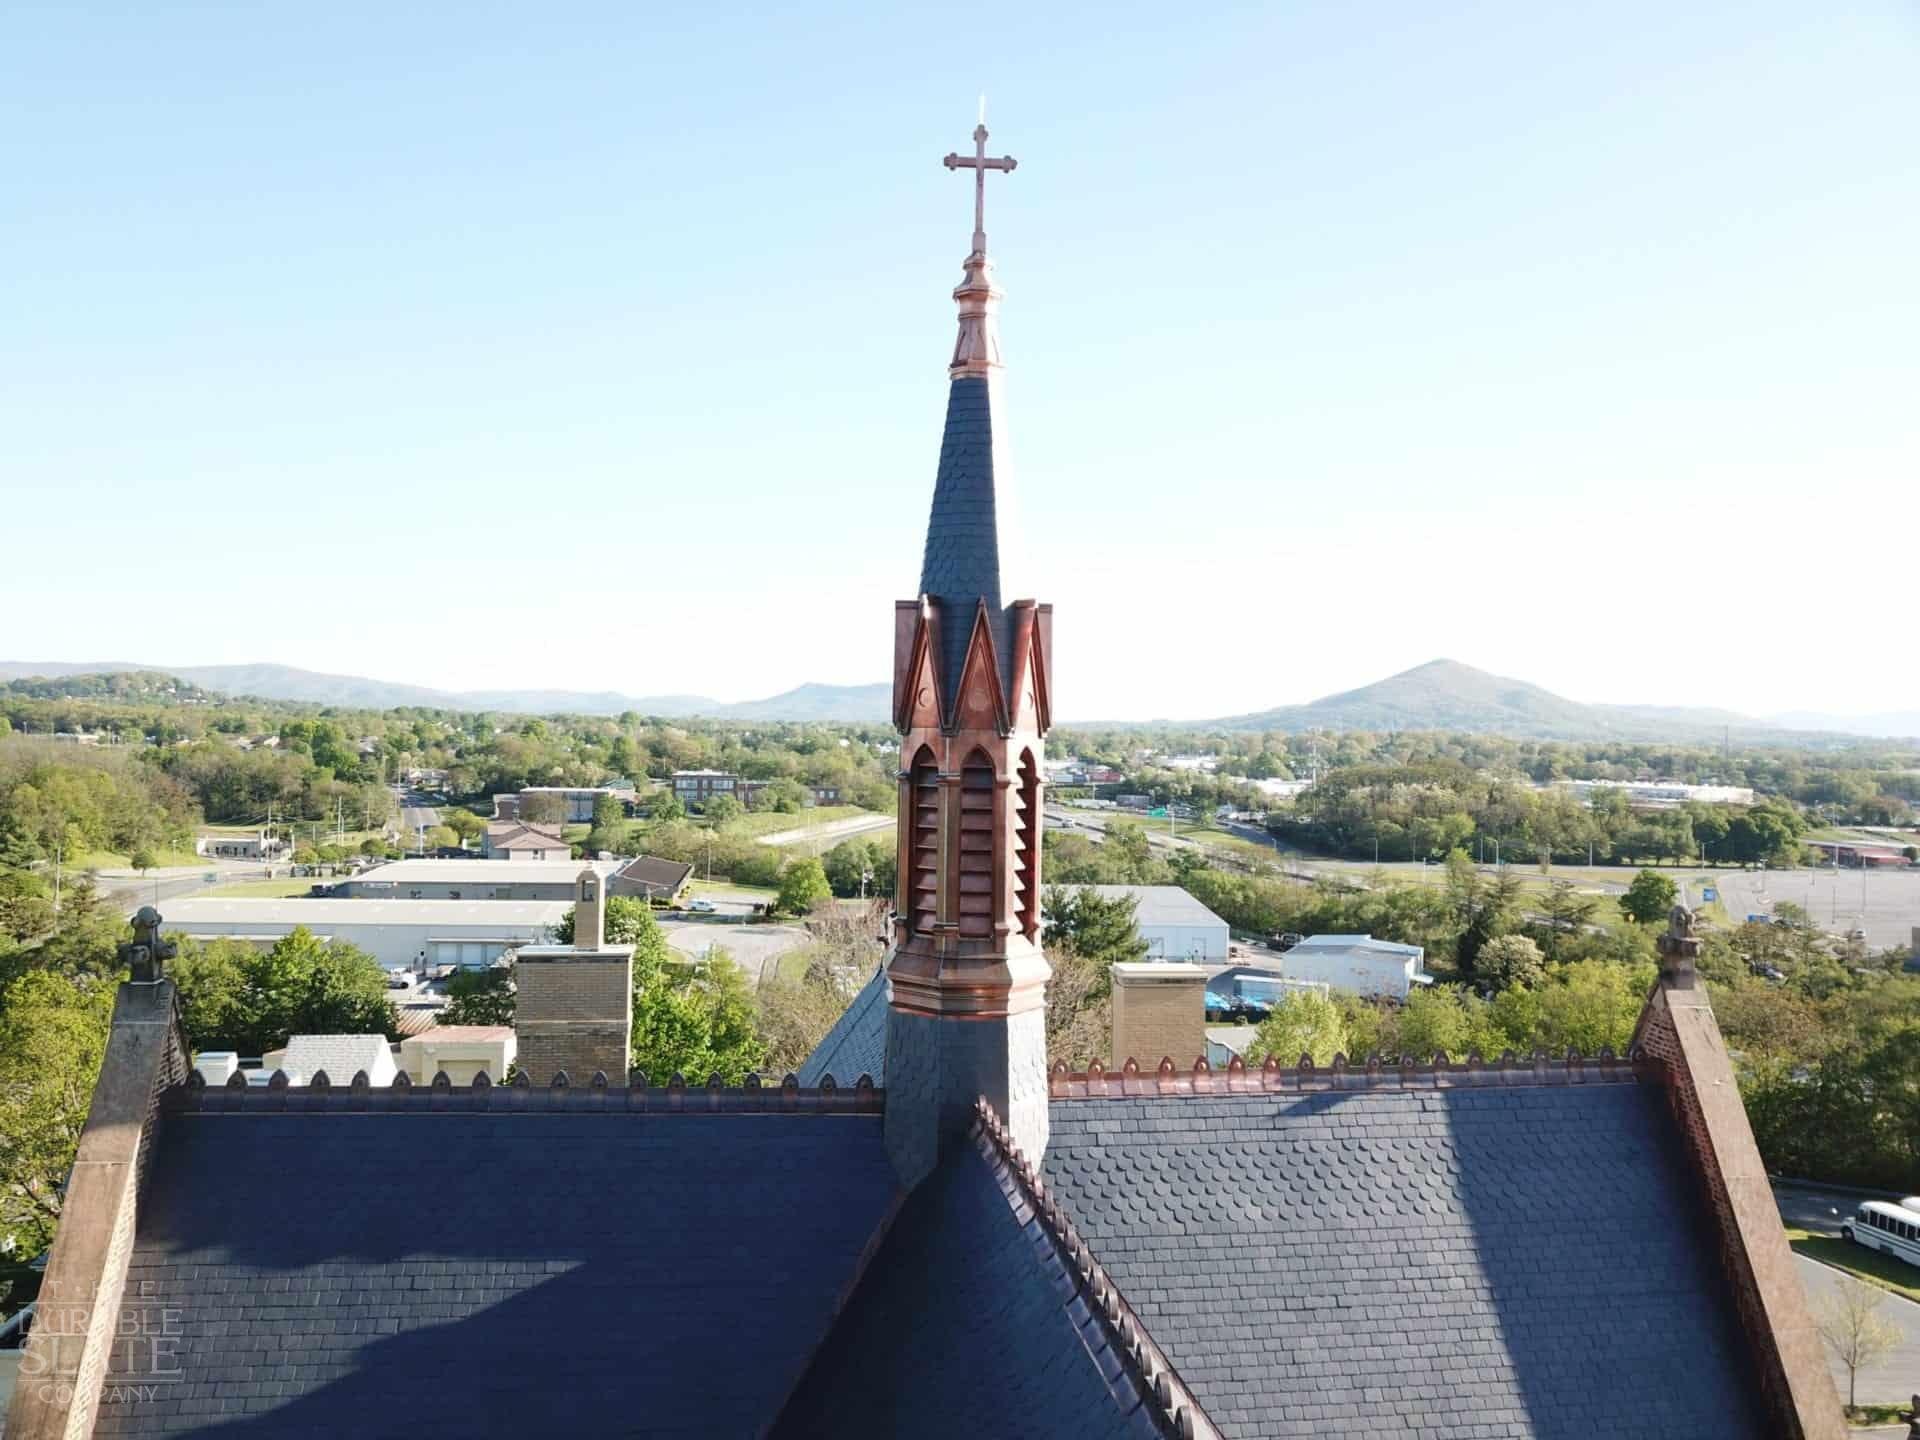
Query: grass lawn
x,y
262,888
756,823
1858,1261
111,860
727,890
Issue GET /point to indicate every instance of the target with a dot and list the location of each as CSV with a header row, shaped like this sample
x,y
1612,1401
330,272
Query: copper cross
x,y
980,165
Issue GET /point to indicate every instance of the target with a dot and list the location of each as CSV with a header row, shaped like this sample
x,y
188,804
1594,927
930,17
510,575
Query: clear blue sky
x,y
604,345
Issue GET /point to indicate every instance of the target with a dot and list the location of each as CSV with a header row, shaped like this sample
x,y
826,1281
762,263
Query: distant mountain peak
x,y
1447,694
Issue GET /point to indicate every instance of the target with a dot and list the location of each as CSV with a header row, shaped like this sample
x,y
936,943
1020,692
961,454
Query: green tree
x,y
236,998
1649,898
664,805
720,810
803,884
479,997
627,921
53,1033
1100,927
1509,960
441,837
786,796
143,859
850,860
1308,1022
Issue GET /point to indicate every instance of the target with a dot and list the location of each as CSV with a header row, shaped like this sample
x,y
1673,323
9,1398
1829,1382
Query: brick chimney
x,y
573,1010
1159,1012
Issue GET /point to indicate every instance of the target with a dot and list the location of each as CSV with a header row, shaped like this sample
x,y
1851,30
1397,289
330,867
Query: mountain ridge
x,y
849,704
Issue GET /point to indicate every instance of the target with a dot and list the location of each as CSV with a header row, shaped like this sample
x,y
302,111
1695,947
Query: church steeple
x,y
967,539
972,695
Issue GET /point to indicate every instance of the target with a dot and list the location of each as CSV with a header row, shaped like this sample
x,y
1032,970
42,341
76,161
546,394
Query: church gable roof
x,y
970,1323
857,1043
513,1263
1528,1260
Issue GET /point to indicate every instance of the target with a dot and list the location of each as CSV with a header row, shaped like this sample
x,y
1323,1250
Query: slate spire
x,y
966,529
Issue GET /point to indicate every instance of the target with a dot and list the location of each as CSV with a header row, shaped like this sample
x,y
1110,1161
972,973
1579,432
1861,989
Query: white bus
x,y
1886,1227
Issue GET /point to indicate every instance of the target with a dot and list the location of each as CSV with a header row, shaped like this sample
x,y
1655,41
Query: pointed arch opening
x,y
920,881
975,911
1024,824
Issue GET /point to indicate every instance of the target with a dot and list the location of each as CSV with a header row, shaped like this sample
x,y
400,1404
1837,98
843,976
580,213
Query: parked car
x,y
1287,940
702,907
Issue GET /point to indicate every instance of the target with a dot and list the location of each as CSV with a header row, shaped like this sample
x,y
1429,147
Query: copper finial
x,y
977,350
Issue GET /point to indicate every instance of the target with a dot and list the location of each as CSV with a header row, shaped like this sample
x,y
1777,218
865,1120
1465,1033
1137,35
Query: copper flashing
x,y
1157,1386
520,1096
1096,1082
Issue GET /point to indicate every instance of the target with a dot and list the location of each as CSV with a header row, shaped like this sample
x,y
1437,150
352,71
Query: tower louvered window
x,y
976,847
1024,823
923,846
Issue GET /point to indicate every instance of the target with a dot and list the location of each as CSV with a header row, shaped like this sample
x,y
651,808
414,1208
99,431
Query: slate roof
x,y
967,1325
857,1043
480,1274
963,559
341,1056
1530,1262
645,872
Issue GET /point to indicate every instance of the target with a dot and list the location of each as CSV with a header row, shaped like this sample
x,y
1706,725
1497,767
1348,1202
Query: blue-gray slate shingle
x,y
965,1327
491,1274
1532,1263
964,553
857,1043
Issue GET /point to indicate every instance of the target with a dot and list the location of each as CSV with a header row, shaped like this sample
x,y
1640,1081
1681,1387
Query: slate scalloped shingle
x,y
962,563
1529,1262
857,1043
965,1325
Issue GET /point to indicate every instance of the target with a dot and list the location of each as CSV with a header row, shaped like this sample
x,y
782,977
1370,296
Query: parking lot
x,y
1884,903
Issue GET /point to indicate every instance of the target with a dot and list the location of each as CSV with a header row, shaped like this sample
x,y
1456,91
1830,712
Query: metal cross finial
x,y
980,165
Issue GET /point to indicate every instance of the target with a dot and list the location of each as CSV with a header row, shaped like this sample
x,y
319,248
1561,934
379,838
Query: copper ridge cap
x,y
677,1096
1375,1073
976,351
1164,1394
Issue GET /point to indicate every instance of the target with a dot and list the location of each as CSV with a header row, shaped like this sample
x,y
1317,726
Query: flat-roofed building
x,y
400,934
1174,924
463,1051
1359,964
696,787
469,880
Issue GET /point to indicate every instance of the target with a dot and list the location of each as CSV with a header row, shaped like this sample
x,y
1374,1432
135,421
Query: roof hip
x,y
1164,1395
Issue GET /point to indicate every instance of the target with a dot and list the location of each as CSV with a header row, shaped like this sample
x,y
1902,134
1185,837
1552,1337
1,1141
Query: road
x,y
1896,1377
129,890
1820,1210
415,813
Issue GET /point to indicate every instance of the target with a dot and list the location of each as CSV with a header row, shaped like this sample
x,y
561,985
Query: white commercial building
x,y
1174,924
470,880
1358,963
400,934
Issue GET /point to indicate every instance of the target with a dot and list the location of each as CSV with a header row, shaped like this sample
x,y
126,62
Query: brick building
x,y
1537,1249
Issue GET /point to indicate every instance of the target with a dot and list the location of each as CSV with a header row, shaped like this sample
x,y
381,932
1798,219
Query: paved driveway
x,y
1890,1381
755,948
